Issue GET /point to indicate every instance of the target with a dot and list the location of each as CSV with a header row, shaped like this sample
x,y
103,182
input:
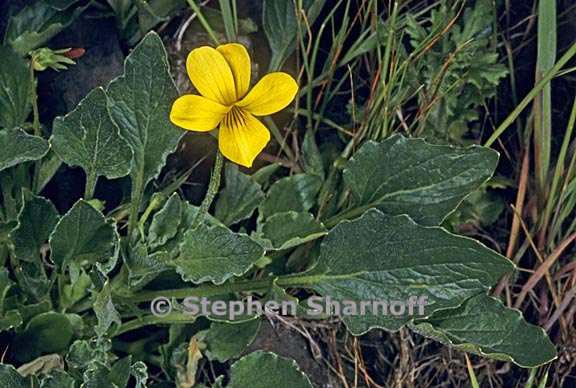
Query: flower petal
x,y
272,93
211,75
197,113
239,61
242,137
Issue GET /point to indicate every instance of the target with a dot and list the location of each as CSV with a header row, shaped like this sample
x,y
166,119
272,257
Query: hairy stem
x,y
213,187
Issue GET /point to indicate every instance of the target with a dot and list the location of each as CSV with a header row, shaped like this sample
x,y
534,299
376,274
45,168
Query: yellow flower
x,y
222,77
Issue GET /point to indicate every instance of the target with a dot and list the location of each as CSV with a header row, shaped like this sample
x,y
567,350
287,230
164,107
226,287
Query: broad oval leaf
x,y
264,370
483,325
84,236
16,147
140,102
87,137
391,258
215,254
410,176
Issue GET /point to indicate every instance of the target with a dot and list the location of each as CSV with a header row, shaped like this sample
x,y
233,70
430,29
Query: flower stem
x,y
213,187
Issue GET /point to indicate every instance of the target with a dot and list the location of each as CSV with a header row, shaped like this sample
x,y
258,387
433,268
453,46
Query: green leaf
x,y
140,101
35,25
385,258
84,236
410,176
215,254
105,311
295,193
30,235
15,89
484,326
225,340
239,198
49,332
264,370
9,377
87,137
290,229
76,290
120,371
165,223
16,147
28,239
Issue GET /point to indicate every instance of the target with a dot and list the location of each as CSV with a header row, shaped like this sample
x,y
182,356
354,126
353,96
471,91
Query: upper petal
x,y
272,93
239,61
242,137
197,113
211,75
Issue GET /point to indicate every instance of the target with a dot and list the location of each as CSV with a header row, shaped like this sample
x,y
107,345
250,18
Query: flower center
x,y
235,118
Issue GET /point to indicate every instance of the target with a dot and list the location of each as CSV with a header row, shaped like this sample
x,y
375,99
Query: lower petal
x,y
197,113
242,137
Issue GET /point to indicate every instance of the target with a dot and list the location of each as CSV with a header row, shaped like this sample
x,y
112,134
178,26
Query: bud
x,y
44,58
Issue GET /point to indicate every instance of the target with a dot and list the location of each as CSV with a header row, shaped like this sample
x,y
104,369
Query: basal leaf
x,y
140,102
295,193
483,325
239,198
410,176
15,89
228,340
87,137
84,236
215,254
264,370
390,258
290,229
30,234
16,147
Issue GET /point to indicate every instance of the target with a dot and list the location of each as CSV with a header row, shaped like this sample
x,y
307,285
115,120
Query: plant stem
x,y
35,124
137,188
213,187
90,186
